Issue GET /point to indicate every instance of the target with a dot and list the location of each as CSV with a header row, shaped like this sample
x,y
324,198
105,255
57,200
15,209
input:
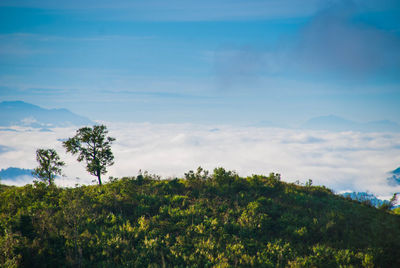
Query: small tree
x,y
391,204
92,145
49,165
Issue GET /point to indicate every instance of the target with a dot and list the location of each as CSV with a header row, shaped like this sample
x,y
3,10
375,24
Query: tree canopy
x,y
49,165
92,145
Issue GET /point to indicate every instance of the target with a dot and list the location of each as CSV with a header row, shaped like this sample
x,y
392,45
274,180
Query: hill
x,y
13,173
19,113
200,221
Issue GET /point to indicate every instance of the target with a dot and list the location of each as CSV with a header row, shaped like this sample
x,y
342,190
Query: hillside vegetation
x,y
202,220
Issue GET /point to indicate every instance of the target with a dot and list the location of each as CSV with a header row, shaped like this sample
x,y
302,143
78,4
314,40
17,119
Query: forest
x,y
217,219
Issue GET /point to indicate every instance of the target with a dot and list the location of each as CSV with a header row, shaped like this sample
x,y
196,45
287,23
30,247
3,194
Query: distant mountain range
x,y
336,123
366,197
394,178
19,113
12,173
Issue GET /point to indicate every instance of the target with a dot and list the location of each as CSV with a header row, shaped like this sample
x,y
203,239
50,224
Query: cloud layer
x,y
342,161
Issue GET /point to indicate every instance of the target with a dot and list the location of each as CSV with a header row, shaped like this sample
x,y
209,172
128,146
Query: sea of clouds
x,y
342,161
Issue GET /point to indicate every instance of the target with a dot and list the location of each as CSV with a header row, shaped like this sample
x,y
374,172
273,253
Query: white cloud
x,y
341,161
18,181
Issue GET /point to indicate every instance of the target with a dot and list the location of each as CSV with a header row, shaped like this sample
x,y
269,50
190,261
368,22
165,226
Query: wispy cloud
x,y
26,44
18,181
178,10
4,149
47,38
192,10
335,43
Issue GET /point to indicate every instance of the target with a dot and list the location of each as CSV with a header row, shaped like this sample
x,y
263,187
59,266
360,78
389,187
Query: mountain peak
x,y
18,103
329,122
396,171
337,123
20,113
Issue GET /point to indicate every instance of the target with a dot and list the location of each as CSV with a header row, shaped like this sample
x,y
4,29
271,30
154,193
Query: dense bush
x,y
203,220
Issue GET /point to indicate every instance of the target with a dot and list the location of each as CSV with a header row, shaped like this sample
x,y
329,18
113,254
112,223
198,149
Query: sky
x,y
183,83
209,62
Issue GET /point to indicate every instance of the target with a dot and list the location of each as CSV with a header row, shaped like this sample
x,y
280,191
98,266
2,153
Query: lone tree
x,y
49,165
92,145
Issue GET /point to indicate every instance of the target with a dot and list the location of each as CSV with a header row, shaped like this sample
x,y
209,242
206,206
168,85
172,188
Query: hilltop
x,y
201,220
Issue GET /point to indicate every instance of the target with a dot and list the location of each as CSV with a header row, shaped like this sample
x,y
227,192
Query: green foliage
x,y
391,204
218,220
92,145
49,165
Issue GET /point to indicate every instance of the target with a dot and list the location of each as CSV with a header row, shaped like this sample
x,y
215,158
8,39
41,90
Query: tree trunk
x,y
163,259
98,177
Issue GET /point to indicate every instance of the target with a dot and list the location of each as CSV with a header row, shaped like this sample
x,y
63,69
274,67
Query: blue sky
x,y
204,61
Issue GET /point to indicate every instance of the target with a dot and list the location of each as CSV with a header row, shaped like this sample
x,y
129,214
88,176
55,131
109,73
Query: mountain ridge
x,y
13,173
394,178
337,123
20,113
334,123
